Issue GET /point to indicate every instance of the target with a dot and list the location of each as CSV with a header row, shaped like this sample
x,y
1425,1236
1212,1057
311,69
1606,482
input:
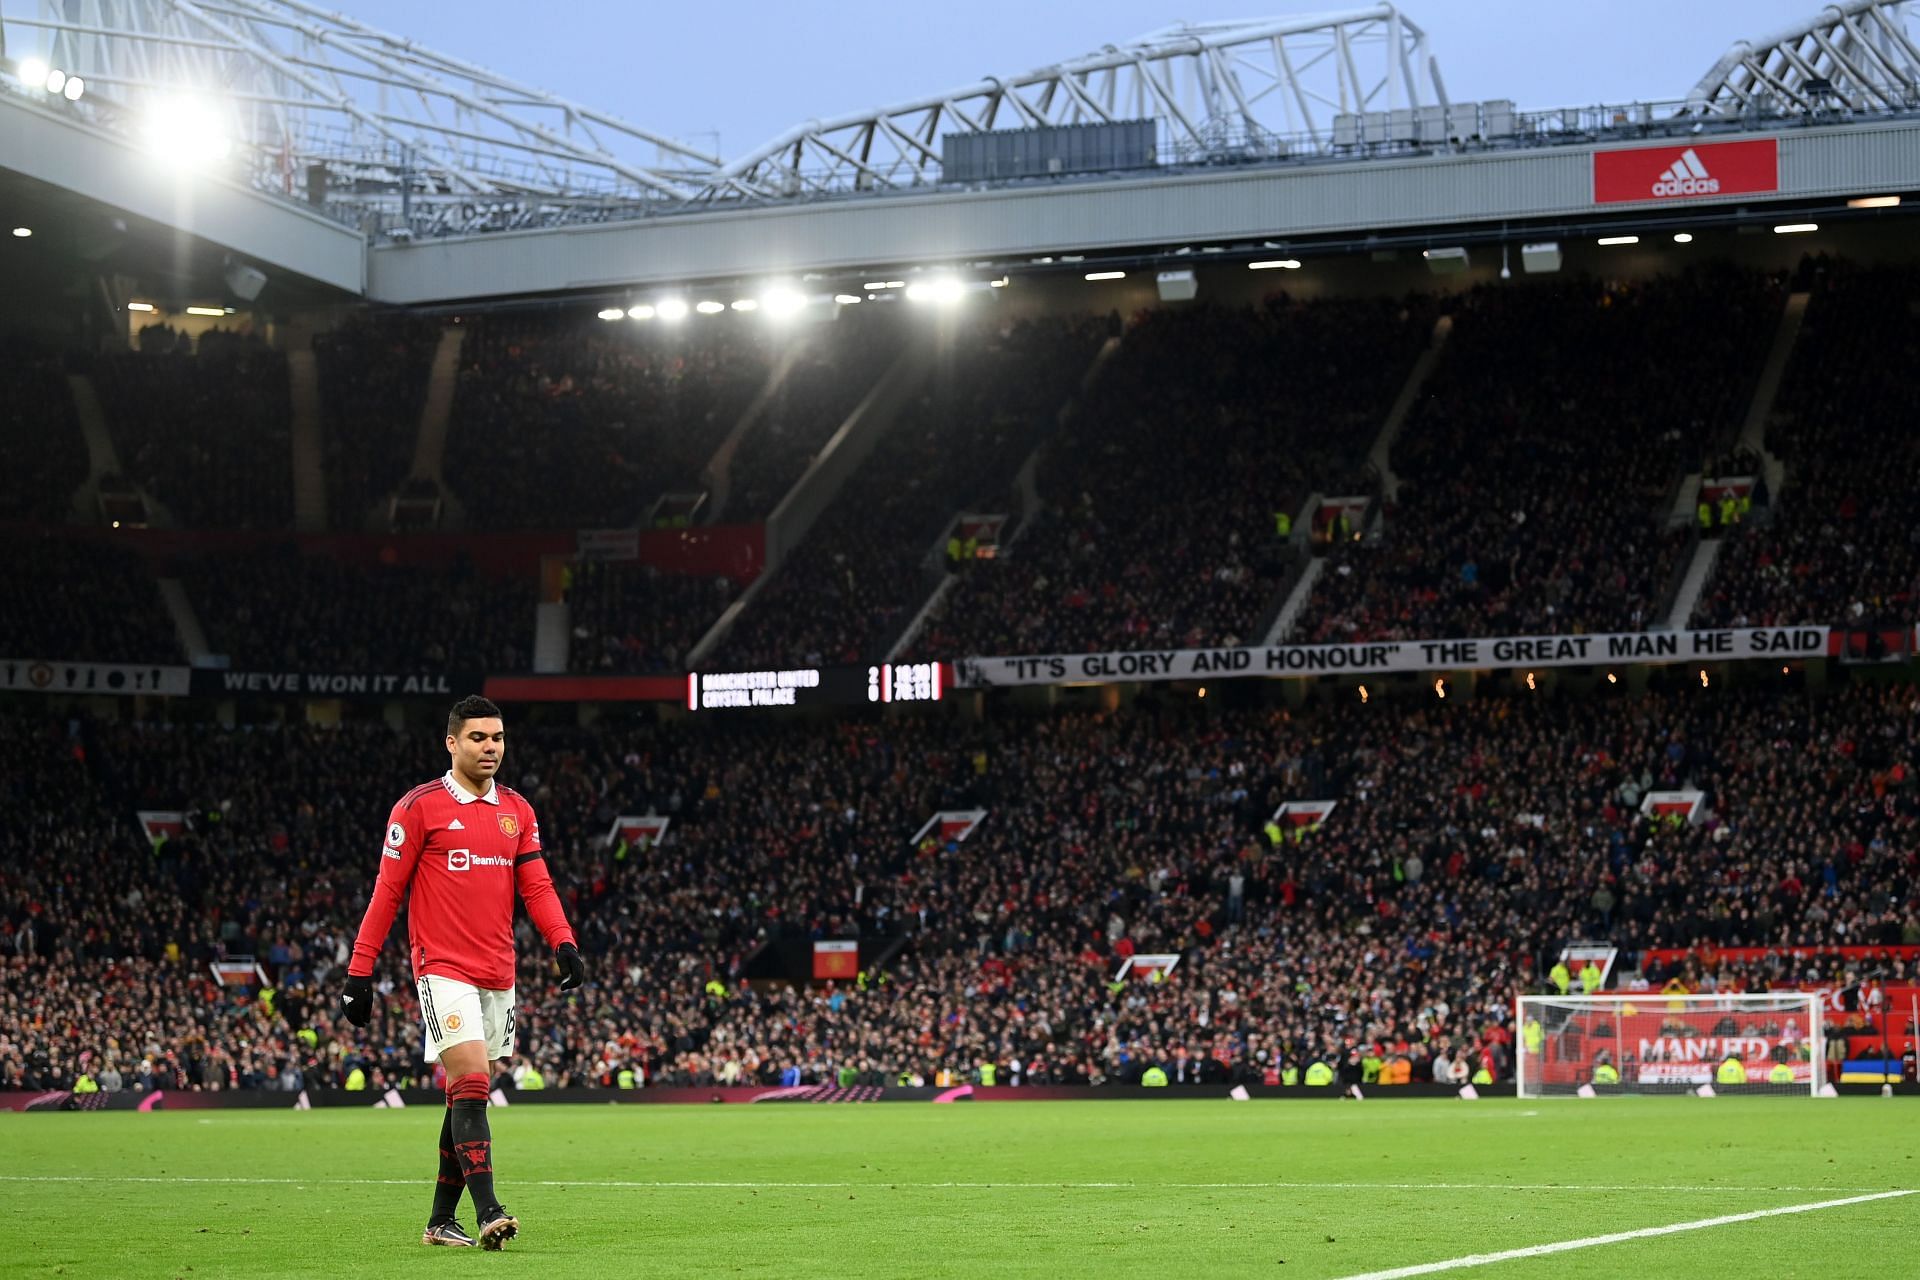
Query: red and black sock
x,y
447,1188
472,1140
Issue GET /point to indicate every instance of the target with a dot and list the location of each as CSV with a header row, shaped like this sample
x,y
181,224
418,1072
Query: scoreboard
x,y
881,682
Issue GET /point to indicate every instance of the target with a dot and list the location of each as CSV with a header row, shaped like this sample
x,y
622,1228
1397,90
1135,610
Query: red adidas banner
x,y
1686,172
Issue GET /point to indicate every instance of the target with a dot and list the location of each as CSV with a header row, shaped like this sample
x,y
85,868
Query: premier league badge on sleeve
x,y
396,836
509,825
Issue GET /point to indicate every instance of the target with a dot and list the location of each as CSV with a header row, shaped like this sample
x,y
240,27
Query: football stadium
x,y
1210,657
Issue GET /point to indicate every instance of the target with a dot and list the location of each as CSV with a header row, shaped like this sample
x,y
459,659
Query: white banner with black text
x,y
1390,656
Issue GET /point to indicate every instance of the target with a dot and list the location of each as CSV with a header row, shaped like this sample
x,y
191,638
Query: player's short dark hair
x,y
471,707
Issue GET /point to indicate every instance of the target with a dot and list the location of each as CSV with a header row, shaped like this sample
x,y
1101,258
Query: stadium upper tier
x,y
1845,539
1470,840
1516,459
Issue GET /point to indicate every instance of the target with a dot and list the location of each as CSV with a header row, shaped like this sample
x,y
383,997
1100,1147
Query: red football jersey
x,y
462,856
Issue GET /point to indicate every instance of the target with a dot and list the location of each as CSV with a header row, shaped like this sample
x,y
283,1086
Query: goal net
x,y
1650,1042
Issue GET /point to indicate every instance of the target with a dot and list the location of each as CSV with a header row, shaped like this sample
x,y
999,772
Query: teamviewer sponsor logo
x,y
464,859
1686,177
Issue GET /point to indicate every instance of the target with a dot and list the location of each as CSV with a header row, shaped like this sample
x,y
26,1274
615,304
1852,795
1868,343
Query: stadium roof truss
x,y
1857,55
395,140
1217,88
291,85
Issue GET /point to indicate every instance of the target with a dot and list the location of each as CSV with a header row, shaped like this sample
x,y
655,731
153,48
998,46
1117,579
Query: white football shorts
x,y
454,1012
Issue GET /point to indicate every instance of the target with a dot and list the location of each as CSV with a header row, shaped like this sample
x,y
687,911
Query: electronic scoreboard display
x,y
882,682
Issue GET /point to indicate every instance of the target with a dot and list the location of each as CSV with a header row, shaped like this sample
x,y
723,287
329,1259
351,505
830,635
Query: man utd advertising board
x,y
1688,171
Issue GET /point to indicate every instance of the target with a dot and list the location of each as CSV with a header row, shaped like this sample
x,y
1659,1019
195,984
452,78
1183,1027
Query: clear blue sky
x,y
748,69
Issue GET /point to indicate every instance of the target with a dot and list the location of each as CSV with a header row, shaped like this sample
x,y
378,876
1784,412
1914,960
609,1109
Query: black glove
x,y
573,970
356,998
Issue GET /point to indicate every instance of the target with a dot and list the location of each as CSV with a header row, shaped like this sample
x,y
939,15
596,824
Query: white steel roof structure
x,y
1857,55
286,85
384,137
410,138
1214,86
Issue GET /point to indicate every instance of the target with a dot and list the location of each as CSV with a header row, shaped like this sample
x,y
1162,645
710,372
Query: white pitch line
x,y
624,1185
1616,1237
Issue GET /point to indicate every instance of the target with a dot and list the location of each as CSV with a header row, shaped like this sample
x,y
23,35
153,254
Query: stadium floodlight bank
x,y
1649,1042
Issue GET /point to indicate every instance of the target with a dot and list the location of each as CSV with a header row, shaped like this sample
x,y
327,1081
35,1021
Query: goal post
x,y
1649,1042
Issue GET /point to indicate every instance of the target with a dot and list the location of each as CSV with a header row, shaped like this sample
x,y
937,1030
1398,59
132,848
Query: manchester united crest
x,y
509,825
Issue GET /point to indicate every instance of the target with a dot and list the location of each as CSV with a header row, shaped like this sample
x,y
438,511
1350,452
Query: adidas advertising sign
x,y
1686,172
1687,176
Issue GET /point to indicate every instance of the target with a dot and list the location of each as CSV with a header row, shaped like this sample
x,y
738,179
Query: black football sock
x,y
473,1140
447,1189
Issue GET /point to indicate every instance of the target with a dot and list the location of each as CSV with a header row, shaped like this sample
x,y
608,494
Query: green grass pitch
x,y
1054,1189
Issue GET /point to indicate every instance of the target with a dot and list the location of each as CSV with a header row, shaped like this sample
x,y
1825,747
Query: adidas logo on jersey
x,y
456,825
1686,177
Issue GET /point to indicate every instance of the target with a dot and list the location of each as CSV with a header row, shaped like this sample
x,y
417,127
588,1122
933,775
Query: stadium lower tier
x,y
997,871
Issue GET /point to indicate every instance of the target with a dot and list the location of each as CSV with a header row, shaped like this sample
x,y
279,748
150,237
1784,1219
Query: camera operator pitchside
x,y
463,844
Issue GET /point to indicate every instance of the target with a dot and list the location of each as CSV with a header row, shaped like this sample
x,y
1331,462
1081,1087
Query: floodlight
x,y
639,311
75,87
671,309
186,133
33,72
709,307
56,80
746,304
945,290
21,233
779,301
611,313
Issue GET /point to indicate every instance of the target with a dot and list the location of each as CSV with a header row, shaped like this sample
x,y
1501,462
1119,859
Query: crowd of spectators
x,y
78,601
1537,473
561,421
1473,837
46,454
281,610
208,434
835,369
632,619
373,383
1161,494
1842,547
851,587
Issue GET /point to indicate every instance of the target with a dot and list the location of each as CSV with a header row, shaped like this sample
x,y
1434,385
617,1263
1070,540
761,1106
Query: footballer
x,y
456,851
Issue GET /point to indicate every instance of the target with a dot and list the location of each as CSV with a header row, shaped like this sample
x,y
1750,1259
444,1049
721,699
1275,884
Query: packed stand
x,y
829,378
281,610
1536,475
46,453
80,601
373,384
1842,547
1160,496
208,434
851,587
632,619
1472,839
560,422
